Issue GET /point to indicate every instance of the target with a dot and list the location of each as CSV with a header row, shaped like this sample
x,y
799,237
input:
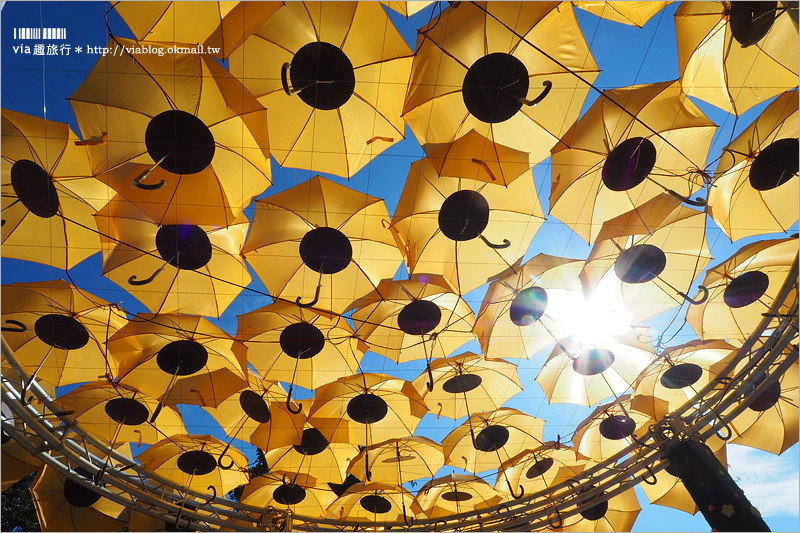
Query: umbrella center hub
x,y
617,427
289,494
628,164
640,263
60,331
464,215
325,75
745,289
768,398
254,406
491,438
494,86
183,246
312,443
182,140
528,306
35,189
775,165
592,511
78,495
456,496
127,411
593,362
197,462
541,466
750,21
302,340
326,250
376,504
182,358
462,383
367,408
419,317
682,375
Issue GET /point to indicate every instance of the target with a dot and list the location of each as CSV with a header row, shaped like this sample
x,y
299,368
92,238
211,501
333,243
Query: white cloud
x,y
769,481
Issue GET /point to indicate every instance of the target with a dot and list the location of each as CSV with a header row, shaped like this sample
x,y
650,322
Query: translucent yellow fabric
x,y
633,13
403,459
455,494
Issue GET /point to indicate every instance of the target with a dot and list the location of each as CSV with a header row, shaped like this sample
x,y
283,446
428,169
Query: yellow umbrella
x,y
374,502
681,371
174,133
58,332
455,494
464,229
741,288
368,408
612,426
633,13
333,77
260,414
476,157
485,66
413,319
217,25
304,496
587,373
727,49
204,269
661,242
333,246
633,144
756,189
191,461
407,8
528,306
314,456
616,514
468,383
179,359
299,346
397,461
487,440
538,469
49,195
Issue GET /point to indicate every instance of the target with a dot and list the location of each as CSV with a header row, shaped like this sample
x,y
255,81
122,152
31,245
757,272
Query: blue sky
x,y
39,85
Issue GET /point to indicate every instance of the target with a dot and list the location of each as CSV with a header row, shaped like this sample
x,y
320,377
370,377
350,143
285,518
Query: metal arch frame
x,y
151,494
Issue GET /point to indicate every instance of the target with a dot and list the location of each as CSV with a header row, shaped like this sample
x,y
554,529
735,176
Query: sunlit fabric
x,y
303,494
634,13
406,8
618,514
538,468
456,494
399,460
313,457
373,501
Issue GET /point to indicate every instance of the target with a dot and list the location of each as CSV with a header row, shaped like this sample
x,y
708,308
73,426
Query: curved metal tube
x,y
430,378
651,479
698,202
506,243
406,520
19,329
219,459
289,400
312,302
547,84
133,281
696,302
511,490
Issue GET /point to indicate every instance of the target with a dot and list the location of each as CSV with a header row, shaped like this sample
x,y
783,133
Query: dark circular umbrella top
x,y
493,87
185,143
325,75
34,188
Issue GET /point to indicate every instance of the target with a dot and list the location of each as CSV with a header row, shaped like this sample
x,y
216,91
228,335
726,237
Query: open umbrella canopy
x,y
630,146
633,13
299,346
727,49
526,307
173,267
303,495
456,494
464,229
741,288
538,469
488,439
485,66
756,188
321,244
421,317
397,461
616,514
333,77
467,383
163,129
374,502
220,26
314,456
49,193
59,332
406,8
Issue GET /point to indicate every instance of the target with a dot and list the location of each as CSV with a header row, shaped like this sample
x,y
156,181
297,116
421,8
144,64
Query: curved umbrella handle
x,y
312,302
547,84
157,412
219,459
133,281
285,79
436,524
696,302
506,243
511,490
560,520
697,202
288,402
137,181
430,378
213,495
19,329
286,484
178,520
651,478
406,520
